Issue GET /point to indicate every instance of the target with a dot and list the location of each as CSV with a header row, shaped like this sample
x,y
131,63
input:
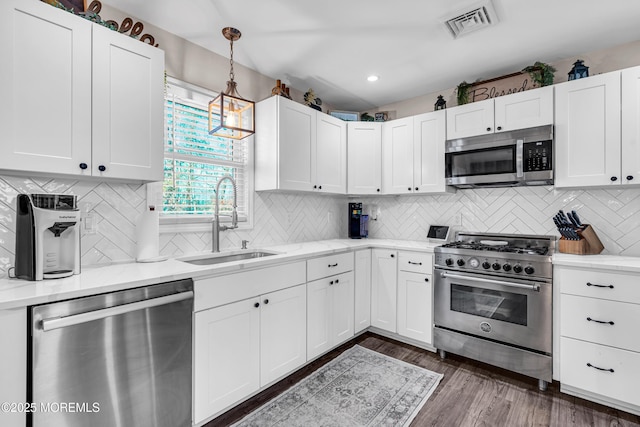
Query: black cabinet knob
x,y
614,178
488,129
102,168
331,282
83,166
378,190
392,256
266,301
337,280
629,177
409,188
256,305
499,127
416,188
319,187
426,279
315,186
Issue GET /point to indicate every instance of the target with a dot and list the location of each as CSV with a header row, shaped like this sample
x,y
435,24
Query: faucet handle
x,y
244,244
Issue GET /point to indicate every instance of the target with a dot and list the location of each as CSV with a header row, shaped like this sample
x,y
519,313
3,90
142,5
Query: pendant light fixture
x,y
230,115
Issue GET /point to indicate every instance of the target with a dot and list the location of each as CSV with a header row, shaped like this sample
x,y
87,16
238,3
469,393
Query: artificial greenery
x,y
463,93
366,117
90,16
541,73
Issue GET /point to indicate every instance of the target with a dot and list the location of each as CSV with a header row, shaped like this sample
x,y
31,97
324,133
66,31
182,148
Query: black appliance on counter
x,y
358,223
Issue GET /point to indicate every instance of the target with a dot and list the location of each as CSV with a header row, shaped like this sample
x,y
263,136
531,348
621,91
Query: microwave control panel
x,y
537,156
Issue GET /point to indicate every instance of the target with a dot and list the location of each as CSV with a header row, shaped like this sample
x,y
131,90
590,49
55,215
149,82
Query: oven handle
x,y
520,158
496,282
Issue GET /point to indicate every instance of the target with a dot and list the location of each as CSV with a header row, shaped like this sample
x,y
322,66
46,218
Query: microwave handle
x,y
520,158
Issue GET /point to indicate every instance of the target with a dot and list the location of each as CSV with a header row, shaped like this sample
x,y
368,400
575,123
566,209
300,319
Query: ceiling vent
x,y
478,16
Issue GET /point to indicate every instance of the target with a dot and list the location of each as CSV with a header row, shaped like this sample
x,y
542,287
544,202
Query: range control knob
x,y
486,265
528,269
474,263
449,261
517,268
460,262
506,267
496,266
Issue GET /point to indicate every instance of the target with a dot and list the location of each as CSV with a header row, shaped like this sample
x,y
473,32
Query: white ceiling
x,y
333,45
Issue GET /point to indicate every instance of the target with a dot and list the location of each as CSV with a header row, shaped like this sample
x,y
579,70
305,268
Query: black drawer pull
x,y
331,282
256,305
415,263
333,265
600,286
599,369
266,301
600,321
426,279
392,255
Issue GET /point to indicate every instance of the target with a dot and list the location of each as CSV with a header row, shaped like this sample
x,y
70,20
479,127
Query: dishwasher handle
x,y
76,319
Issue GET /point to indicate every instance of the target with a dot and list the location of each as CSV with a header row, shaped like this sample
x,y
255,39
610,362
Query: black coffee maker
x,y
358,223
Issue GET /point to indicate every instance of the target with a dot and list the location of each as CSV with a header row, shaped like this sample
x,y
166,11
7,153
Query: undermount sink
x,y
221,259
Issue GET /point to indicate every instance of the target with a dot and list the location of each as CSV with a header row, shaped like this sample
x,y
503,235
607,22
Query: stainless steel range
x,y
492,298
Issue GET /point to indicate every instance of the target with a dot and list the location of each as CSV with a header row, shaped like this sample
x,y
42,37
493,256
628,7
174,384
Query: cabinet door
x,y
397,162
415,301
383,289
524,109
331,155
470,119
296,142
128,116
226,356
342,308
428,152
588,132
283,331
364,171
45,113
362,281
318,317
630,173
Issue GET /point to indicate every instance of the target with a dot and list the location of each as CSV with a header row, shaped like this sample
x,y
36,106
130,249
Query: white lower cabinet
x,y
330,303
384,289
362,284
245,345
597,315
415,301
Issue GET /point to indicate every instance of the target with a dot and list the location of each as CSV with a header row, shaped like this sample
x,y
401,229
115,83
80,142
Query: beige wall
x,y
601,61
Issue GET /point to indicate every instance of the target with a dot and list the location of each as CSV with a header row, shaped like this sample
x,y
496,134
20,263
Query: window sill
x,y
171,226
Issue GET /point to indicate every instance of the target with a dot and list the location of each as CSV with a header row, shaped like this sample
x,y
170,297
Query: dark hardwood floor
x,y
470,394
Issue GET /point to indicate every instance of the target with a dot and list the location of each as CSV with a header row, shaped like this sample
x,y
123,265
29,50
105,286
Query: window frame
x,y
173,224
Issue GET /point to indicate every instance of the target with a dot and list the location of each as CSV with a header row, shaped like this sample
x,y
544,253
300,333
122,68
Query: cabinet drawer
x,y
416,262
329,265
575,310
609,285
215,291
578,362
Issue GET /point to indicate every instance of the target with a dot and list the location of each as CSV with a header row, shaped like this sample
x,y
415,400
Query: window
x,y
195,161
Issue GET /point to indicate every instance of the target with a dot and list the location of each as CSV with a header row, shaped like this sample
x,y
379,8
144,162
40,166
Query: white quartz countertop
x,y
600,262
15,293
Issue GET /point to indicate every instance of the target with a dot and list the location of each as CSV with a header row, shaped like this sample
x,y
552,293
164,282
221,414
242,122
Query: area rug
x,y
358,388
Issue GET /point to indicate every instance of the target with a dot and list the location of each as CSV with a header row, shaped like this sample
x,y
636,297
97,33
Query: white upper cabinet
x,y
64,114
515,111
297,147
630,173
45,114
364,155
128,107
330,154
428,152
413,154
397,159
587,131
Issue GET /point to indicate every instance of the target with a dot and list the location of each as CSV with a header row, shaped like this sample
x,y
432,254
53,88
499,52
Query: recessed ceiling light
x,y
373,78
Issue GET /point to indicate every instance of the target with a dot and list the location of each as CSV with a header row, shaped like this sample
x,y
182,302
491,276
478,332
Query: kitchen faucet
x,y
217,227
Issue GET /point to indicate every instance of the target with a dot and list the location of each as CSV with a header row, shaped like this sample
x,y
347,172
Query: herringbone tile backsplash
x,y
288,218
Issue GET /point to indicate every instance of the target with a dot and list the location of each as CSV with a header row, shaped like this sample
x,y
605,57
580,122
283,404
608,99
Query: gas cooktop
x,y
512,255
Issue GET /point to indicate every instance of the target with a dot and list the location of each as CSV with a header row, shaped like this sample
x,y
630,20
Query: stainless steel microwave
x,y
506,159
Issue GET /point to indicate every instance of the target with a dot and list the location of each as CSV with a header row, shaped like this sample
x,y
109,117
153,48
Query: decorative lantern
x,y
579,70
230,115
441,104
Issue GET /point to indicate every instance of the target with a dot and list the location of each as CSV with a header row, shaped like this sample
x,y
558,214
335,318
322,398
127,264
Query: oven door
x,y
511,311
485,163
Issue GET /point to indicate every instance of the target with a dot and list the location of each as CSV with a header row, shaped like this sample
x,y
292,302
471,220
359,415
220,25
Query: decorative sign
x,y
505,85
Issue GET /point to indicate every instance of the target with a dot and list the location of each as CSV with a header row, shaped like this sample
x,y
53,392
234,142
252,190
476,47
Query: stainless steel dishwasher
x,y
120,359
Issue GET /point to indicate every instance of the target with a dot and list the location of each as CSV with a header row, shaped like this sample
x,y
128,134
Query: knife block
x,y
589,243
